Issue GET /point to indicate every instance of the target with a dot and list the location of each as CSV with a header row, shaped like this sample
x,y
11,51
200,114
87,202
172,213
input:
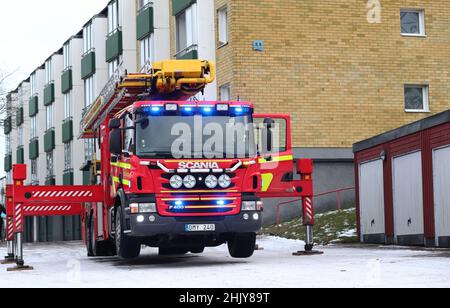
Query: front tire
x,y
126,247
242,245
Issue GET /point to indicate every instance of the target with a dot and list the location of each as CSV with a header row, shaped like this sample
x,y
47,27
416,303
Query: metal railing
x,y
326,193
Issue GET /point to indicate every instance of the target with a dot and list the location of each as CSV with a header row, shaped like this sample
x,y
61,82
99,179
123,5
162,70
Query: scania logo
x,y
198,165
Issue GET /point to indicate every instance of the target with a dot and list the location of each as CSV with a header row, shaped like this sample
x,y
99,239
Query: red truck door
x,y
276,159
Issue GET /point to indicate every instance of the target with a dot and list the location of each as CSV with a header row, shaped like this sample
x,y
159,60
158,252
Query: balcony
x,y
67,131
19,116
144,22
8,162
66,81
33,106
34,149
88,64
114,45
20,154
50,181
189,53
68,177
49,140
49,94
179,6
7,125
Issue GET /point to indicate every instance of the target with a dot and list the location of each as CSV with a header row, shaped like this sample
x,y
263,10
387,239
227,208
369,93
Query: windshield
x,y
194,136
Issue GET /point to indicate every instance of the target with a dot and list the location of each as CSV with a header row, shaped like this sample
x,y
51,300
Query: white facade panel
x,y
408,195
441,183
371,197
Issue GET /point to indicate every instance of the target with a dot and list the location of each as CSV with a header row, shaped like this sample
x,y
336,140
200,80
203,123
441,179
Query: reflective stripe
x,y
276,159
266,181
197,191
124,182
121,165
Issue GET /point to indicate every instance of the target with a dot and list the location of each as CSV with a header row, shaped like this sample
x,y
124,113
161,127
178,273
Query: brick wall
x,y
340,77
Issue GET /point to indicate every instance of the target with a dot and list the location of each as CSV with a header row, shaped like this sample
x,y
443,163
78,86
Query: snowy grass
x,y
330,228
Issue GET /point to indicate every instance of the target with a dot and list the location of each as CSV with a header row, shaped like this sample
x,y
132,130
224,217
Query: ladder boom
x,y
167,80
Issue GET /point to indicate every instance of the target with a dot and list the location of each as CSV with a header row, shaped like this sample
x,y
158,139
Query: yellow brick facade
x,y
340,77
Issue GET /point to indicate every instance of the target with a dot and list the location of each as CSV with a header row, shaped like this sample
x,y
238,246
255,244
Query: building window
x,y
68,156
186,28
48,71
8,144
89,145
33,84
89,91
222,23
225,93
412,22
34,172
49,110
34,128
67,56
68,105
143,3
147,50
88,38
20,136
113,66
416,98
113,16
50,165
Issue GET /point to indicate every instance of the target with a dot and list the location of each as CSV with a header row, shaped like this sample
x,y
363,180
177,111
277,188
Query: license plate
x,y
200,228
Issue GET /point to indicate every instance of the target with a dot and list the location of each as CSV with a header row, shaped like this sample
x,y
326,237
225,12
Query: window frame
x,y
220,12
422,26
190,17
226,86
147,51
113,17
425,94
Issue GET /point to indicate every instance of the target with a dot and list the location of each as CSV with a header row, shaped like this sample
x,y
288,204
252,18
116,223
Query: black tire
x,y
90,251
242,245
197,250
126,247
168,251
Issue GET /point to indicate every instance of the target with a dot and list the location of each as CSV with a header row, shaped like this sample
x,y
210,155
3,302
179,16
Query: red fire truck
x,y
170,174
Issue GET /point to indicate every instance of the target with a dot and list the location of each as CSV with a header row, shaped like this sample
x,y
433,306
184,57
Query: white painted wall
x,y
77,93
127,13
58,153
162,16
206,40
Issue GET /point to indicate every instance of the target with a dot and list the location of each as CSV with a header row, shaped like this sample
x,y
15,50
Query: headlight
x,y
189,181
224,181
136,208
211,181
147,207
249,205
176,182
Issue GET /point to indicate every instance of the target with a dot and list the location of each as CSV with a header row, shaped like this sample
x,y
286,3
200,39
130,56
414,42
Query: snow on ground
x,y
66,265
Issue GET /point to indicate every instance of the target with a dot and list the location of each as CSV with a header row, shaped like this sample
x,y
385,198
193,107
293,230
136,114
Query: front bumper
x,y
160,225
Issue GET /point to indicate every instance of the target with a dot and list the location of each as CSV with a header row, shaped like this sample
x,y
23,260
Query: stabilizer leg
x,y
20,263
308,222
9,258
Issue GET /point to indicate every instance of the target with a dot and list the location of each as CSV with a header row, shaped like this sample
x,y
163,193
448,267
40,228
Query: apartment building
x,y
344,71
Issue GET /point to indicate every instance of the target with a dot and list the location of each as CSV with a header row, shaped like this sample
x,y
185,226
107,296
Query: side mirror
x,y
114,124
267,135
115,141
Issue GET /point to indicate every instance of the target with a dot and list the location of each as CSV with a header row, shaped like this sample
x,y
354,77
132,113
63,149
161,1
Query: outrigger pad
x,y
19,268
307,253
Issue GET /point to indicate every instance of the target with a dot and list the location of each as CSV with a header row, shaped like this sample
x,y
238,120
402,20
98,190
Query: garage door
x,y
441,183
408,199
371,201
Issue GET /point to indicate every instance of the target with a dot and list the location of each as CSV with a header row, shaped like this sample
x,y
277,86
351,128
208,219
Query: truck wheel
x,y
90,252
126,247
100,248
167,251
197,250
242,245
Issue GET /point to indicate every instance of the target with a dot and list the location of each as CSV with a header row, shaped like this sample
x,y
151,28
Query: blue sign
x,y
258,45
